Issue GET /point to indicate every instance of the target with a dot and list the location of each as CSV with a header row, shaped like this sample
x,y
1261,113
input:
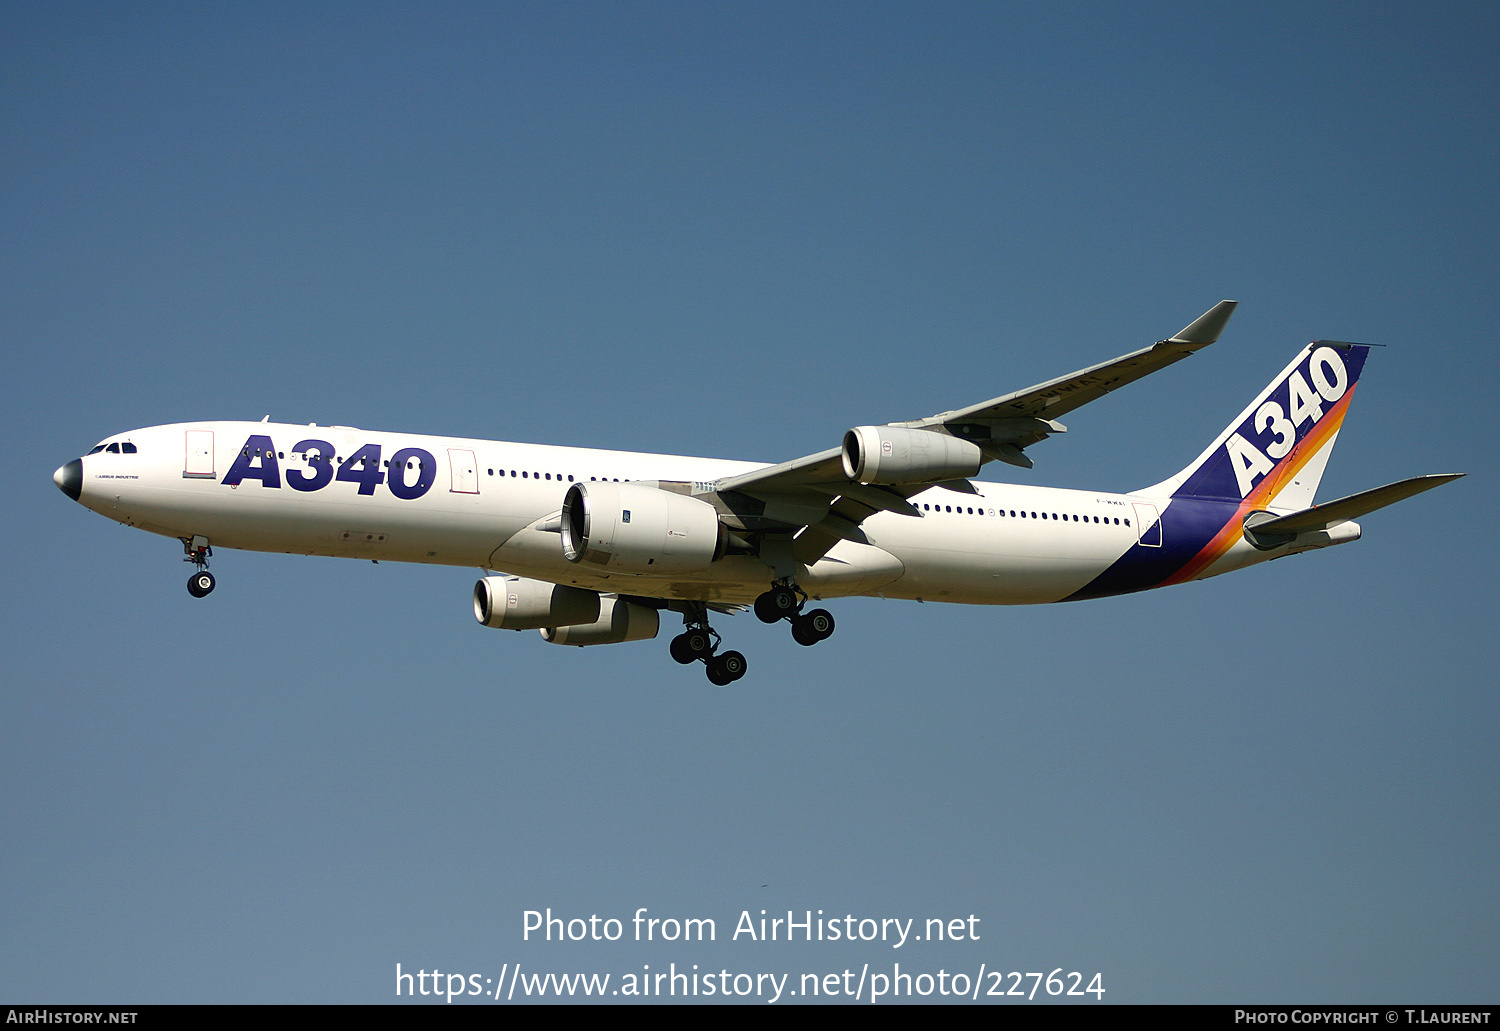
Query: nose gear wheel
x,y
200,583
198,551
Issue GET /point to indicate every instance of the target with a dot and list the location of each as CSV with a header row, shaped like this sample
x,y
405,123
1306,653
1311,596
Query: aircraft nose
x,y
69,478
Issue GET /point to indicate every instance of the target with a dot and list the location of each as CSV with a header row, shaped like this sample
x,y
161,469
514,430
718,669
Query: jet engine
x,y
519,603
893,454
638,529
618,621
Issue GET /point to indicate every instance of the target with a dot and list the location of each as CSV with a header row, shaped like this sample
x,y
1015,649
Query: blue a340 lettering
x,y
408,475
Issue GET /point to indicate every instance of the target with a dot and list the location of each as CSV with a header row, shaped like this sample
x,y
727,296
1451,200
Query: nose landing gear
x,y
201,583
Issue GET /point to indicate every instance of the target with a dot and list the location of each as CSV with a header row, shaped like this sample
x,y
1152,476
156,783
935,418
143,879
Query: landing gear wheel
x,y
691,645
816,626
726,669
201,583
699,642
777,603
821,620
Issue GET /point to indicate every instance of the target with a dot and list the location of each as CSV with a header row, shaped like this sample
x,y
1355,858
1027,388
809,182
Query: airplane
x,y
591,546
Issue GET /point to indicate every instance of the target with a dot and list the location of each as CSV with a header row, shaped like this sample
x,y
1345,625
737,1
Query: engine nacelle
x,y
519,603
894,454
638,529
618,621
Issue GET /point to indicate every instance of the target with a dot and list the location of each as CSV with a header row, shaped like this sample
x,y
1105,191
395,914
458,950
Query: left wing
x,y
878,468
1013,418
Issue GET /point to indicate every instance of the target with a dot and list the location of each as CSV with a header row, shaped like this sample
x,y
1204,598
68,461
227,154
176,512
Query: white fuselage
x,y
488,504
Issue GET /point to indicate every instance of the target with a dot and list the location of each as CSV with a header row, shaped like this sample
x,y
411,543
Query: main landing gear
x,y
785,601
700,642
201,583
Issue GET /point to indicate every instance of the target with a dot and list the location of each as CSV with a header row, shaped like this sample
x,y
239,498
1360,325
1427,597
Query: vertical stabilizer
x,y
1274,454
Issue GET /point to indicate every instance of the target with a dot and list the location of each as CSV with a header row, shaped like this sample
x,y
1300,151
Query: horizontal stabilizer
x,y
1321,517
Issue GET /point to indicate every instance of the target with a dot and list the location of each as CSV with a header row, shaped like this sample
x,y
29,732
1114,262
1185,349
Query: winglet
x,y
1206,328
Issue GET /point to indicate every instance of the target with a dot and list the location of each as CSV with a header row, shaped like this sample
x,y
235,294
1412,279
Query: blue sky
x,y
738,230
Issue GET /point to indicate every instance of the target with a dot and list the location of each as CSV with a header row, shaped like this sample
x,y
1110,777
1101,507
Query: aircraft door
x,y
1148,525
199,463
465,471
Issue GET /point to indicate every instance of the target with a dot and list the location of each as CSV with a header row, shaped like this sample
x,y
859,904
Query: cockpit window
x,y
128,448
114,448
97,448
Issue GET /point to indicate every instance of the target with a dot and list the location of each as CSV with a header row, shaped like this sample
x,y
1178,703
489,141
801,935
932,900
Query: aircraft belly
x,y
986,561
978,579
847,569
294,524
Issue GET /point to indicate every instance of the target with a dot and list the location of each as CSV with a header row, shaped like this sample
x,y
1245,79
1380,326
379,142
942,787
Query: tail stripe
x,y
1262,493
